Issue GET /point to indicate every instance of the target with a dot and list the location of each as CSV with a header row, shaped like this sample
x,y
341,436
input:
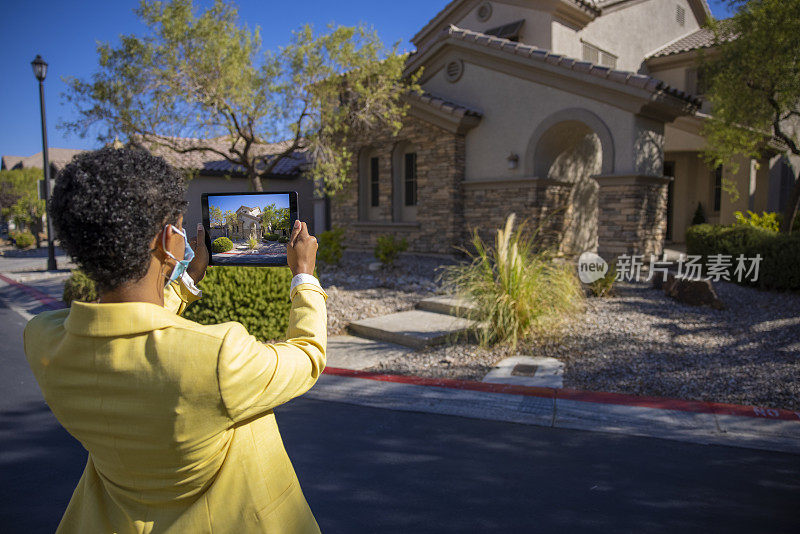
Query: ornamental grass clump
x,y
518,291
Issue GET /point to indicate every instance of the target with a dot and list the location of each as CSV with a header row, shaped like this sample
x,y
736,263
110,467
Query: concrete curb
x,y
691,421
682,420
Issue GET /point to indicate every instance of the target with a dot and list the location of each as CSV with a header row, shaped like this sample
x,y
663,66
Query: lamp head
x,y
39,68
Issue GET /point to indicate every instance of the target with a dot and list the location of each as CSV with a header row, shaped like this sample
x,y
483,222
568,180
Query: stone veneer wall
x,y
541,204
633,215
440,172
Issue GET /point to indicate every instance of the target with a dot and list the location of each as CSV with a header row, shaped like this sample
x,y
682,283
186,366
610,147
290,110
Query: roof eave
x,y
643,89
458,123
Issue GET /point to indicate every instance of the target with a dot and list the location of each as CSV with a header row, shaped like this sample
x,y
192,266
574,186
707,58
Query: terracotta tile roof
x,y
211,163
534,53
702,38
59,157
457,110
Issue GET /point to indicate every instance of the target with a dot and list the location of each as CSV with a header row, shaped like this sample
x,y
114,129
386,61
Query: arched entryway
x,y
572,146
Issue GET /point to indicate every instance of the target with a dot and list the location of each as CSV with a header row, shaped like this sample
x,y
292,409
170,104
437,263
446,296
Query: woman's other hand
x,y
301,251
197,267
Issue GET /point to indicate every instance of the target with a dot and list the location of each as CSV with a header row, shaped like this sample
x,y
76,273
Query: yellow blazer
x,y
177,417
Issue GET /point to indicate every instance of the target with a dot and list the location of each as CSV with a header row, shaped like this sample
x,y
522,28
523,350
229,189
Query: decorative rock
x,y
692,292
375,266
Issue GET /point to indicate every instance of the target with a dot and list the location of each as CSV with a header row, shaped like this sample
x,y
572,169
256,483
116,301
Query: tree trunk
x,y
255,180
790,211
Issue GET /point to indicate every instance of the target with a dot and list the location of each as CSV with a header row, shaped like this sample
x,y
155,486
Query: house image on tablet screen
x,y
248,223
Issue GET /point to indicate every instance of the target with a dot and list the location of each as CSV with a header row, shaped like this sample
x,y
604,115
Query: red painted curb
x,y
44,298
620,399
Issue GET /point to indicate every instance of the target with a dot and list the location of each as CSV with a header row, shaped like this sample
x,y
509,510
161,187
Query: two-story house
x,y
581,116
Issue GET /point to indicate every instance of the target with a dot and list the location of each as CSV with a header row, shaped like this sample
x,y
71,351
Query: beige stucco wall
x,y
683,135
631,33
692,185
535,31
512,109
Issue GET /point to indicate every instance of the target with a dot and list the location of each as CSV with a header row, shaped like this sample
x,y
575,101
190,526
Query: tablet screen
x,y
249,228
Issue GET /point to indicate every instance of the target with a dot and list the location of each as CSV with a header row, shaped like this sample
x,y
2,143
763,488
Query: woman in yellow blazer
x,y
177,417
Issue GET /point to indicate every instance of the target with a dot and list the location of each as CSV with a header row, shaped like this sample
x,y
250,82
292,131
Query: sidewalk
x,y
675,419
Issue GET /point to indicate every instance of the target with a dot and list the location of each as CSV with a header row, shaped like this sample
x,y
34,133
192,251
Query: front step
x,y
348,352
447,305
416,329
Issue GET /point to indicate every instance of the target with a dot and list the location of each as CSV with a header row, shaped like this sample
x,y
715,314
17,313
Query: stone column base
x,y
632,214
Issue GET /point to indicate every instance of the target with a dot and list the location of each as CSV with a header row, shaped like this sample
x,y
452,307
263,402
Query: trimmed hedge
x,y
780,253
256,297
79,287
23,239
221,244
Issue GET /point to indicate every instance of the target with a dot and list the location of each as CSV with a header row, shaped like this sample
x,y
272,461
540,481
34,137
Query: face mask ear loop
x,y
164,243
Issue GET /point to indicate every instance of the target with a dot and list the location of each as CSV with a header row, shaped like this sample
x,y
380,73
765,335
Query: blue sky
x,y
234,202
65,33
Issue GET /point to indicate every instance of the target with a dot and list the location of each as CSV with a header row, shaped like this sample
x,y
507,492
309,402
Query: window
x,y
669,171
680,15
411,179
374,181
718,188
507,31
595,55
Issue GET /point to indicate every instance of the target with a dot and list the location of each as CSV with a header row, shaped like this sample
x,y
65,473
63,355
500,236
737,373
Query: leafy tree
x,y
203,75
231,220
216,217
268,215
20,199
275,219
753,84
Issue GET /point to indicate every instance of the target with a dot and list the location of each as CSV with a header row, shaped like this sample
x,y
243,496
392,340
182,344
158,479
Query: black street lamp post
x,y
40,71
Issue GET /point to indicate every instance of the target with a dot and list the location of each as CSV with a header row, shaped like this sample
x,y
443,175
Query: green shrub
x,y
79,287
766,221
24,239
257,298
221,244
331,246
272,237
283,239
518,292
252,243
604,287
780,253
699,215
389,248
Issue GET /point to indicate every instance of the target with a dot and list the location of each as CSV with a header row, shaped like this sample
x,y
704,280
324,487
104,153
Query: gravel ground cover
x,y
642,342
356,292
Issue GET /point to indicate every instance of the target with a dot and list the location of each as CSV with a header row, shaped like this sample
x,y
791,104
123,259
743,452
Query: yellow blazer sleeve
x,y
177,297
254,377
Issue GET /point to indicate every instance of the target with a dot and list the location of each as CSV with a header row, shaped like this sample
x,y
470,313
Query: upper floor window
x,y
680,15
509,31
411,179
596,55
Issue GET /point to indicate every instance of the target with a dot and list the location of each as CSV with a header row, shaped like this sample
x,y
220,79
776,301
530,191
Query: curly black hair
x,y
108,205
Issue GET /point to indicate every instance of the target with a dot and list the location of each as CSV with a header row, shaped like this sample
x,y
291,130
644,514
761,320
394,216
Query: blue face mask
x,y
188,255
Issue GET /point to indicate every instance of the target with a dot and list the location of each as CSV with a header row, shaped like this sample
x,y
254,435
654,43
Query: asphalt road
x,y
370,470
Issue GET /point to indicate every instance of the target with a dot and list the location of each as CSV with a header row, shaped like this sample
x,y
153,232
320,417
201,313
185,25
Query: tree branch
x,y
776,126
